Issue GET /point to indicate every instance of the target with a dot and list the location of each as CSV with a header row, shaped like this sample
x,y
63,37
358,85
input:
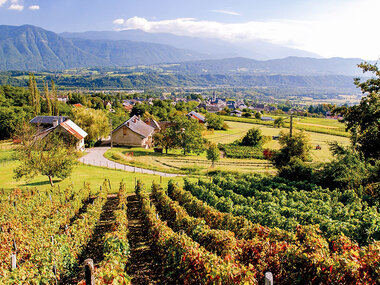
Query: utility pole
x,y
291,124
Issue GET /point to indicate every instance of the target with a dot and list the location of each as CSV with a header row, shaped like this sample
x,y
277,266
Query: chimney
x,y
55,123
135,120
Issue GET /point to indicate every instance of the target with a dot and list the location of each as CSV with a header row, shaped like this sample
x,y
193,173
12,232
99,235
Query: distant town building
x,y
236,113
197,116
267,119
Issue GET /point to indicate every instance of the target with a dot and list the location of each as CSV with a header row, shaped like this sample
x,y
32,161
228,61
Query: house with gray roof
x,y
133,132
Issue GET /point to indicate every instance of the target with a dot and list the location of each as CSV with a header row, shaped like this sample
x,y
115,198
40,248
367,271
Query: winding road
x,y
95,157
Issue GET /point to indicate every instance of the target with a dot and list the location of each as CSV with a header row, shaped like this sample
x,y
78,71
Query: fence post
x,y
268,278
13,261
89,271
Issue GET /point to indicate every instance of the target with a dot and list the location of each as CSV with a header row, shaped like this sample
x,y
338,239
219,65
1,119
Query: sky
x,y
330,28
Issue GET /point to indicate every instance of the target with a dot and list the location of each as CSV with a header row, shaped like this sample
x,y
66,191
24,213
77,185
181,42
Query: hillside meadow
x,y
238,129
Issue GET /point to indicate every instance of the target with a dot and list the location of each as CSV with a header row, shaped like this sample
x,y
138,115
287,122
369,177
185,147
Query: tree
x,y
258,115
347,170
94,122
55,110
214,121
47,99
189,135
213,154
279,122
35,98
166,138
52,156
295,146
363,120
253,137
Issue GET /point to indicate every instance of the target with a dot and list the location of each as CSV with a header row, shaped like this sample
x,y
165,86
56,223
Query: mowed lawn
x,y
81,174
238,129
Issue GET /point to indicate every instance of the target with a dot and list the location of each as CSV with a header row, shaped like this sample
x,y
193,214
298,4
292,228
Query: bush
x,y
297,170
254,137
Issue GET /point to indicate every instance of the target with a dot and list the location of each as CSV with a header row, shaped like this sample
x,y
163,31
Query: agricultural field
x,y
316,125
175,162
238,129
222,229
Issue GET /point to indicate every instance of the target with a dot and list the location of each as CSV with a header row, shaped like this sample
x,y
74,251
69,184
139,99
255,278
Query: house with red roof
x,y
197,116
70,131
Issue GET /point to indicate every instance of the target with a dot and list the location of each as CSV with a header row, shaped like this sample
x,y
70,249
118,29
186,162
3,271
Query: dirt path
x,y
94,248
144,267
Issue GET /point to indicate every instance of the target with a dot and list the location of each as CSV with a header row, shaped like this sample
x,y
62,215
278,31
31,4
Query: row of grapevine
x,y
283,209
221,242
115,247
186,261
58,257
30,219
302,257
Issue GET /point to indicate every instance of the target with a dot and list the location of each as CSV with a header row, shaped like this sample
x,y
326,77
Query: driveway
x,y
95,156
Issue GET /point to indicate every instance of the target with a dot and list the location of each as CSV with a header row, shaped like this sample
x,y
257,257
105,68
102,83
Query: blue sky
x,y
329,28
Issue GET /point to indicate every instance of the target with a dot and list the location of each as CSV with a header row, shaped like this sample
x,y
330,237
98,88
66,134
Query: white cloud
x,y
34,7
118,21
347,31
2,2
16,7
226,12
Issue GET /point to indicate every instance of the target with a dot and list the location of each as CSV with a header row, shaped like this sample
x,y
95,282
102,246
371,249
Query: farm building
x,y
236,113
267,119
62,125
133,132
197,116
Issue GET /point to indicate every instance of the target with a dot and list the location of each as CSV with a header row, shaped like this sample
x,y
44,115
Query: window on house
x,y
124,131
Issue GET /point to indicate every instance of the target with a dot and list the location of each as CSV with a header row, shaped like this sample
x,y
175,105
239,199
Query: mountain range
x,y
31,48
211,47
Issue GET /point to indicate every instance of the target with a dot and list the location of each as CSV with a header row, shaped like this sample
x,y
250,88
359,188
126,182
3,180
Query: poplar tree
x,y
47,98
37,97
55,110
31,91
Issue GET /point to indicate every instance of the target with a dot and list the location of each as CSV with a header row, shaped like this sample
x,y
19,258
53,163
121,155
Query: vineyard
x,y
225,231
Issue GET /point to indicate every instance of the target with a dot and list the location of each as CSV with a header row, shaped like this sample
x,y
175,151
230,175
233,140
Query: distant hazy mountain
x,y
126,53
285,66
214,48
33,48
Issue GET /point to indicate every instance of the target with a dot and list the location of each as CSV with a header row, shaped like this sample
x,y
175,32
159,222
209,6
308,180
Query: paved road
x,y
95,156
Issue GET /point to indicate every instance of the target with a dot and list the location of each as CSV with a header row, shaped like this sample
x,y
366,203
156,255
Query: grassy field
x,y
238,129
81,173
175,162
317,125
